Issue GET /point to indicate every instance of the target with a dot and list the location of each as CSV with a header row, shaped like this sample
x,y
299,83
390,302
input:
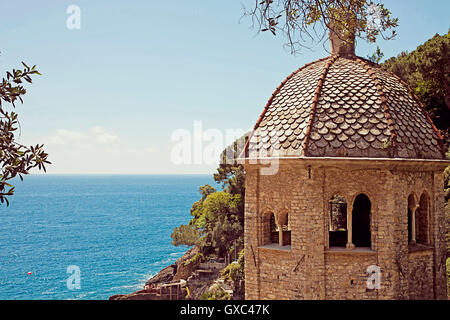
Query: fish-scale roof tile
x,y
348,107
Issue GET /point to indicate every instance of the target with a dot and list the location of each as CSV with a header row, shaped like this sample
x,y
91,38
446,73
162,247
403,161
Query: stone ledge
x,y
355,251
355,163
275,247
420,248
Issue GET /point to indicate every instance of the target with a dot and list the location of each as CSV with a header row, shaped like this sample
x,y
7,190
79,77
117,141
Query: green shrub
x,y
234,271
448,277
215,294
195,259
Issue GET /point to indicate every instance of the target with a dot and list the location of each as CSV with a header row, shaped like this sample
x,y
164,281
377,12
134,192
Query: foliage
x,y
195,259
205,191
229,173
427,72
377,56
448,277
234,271
309,20
215,294
15,159
218,218
187,235
447,222
216,223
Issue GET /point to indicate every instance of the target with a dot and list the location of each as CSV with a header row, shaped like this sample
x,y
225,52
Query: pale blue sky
x,y
113,92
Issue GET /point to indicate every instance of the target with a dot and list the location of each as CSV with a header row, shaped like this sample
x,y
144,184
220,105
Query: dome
x,y
344,106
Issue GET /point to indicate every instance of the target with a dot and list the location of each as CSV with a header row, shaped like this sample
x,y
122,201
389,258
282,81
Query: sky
x,y
121,93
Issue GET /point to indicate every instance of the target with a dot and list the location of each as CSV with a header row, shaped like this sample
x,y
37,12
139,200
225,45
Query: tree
x,y
15,159
427,72
219,220
186,235
230,174
309,20
215,223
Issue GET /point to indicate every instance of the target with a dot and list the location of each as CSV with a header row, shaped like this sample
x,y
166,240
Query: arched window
x,y
276,231
422,218
338,221
361,221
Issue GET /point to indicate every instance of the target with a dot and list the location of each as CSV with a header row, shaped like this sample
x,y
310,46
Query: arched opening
x,y
338,221
361,221
276,229
422,220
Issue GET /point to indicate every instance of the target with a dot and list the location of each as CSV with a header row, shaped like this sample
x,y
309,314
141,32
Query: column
x,y
350,245
413,226
280,236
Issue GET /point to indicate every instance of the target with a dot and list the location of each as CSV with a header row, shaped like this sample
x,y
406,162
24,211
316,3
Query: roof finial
x,y
342,41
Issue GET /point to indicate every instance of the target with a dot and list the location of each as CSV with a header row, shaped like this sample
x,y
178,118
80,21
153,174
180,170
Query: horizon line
x,y
118,174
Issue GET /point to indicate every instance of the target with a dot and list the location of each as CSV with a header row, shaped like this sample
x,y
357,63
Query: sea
x,y
87,237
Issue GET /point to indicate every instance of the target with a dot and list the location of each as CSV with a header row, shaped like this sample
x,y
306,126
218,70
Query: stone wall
x,y
308,269
346,276
420,275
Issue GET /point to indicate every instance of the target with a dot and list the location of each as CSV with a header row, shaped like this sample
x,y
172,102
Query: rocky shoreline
x,y
165,276
187,278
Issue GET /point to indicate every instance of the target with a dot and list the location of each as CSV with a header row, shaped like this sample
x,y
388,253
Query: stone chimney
x,y
342,43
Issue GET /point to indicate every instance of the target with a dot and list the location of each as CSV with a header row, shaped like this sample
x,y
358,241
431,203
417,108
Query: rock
x,y
138,295
187,256
184,271
165,275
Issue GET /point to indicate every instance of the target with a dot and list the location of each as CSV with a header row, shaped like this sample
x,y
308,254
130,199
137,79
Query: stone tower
x,y
344,189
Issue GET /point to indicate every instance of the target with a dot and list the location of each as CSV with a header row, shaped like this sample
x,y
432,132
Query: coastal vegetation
x,y
216,293
217,223
234,271
15,159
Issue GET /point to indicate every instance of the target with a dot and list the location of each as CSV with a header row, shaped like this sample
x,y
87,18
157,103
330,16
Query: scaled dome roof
x,y
344,106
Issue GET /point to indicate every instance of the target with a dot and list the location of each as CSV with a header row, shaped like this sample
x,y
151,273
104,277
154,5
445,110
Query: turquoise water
x,y
116,229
